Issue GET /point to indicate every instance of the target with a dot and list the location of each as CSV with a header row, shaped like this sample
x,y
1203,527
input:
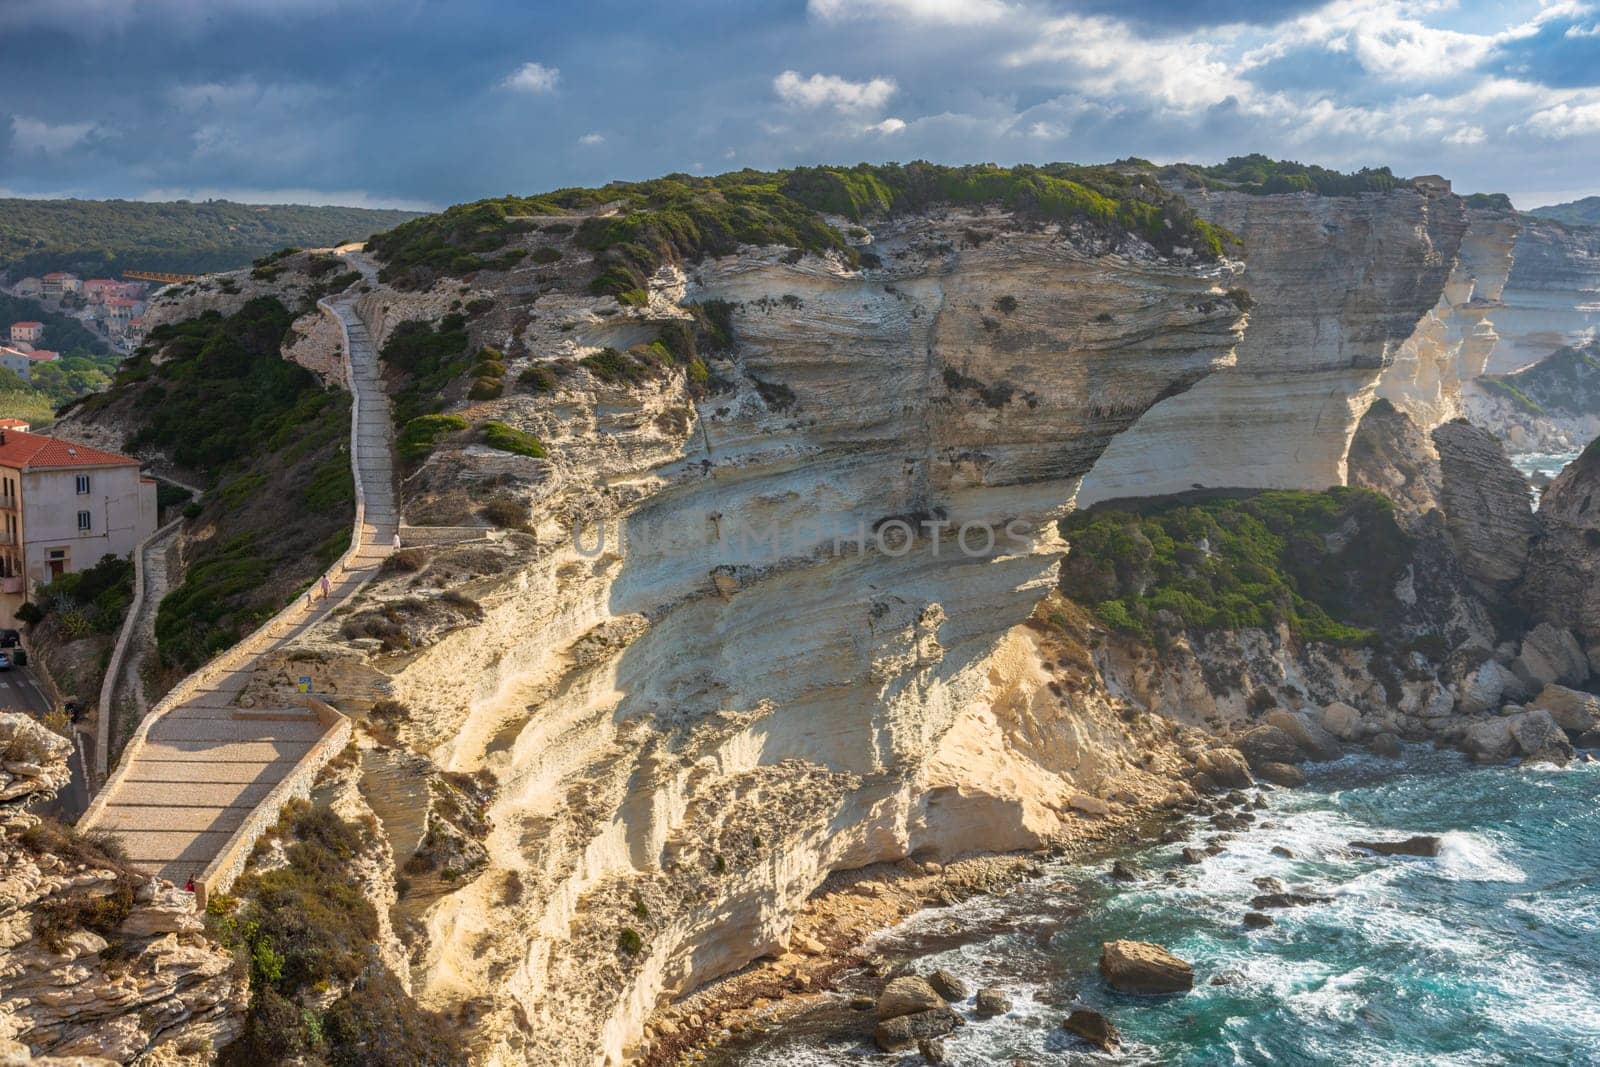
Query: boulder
x,y
1226,767
1267,884
1485,688
1255,920
1386,745
947,985
1279,850
908,995
1539,737
1315,742
993,1001
1285,774
1093,1028
1140,967
904,1031
1192,855
932,1049
1420,845
1573,711
1551,654
1267,744
1489,741
1342,721
1123,871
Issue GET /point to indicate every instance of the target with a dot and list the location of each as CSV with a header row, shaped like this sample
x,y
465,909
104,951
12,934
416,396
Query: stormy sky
x,y
431,102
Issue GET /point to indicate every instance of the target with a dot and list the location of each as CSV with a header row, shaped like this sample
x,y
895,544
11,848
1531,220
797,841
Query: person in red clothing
x,y
189,885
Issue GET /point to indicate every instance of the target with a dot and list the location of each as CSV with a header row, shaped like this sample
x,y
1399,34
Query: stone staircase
x,y
203,777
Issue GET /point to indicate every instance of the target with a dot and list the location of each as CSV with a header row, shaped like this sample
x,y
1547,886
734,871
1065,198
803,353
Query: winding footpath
x,y
201,778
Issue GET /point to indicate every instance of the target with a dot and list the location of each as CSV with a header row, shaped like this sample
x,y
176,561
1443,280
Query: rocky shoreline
x,y
906,1005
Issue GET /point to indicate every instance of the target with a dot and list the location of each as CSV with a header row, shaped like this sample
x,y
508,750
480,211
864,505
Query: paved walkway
x,y
205,764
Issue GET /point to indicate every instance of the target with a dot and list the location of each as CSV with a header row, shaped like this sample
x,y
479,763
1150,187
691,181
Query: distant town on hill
x,y
93,238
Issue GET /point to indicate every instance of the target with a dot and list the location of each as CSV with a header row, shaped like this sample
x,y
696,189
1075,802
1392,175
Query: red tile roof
x,y
41,355
13,424
28,325
32,451
59,274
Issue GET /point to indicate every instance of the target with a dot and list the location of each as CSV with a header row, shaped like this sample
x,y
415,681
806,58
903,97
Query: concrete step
x,y
165,773
174,846
278,715
244,795
236,729
223,751
132,819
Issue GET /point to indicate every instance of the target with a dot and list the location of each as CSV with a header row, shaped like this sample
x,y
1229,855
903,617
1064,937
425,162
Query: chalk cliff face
x,y
1562,584
1454,341
1552,297
1338,284
691,728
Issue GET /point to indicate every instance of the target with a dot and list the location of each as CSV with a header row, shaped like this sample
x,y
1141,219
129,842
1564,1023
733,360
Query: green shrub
x,y
1006,305
486,389
629,942
507,512
89,601
1235,563
537,380
509,439
419,436
546,254
612,367
431,356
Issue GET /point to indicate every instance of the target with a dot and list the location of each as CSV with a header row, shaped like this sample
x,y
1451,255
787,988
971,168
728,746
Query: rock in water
x,y
1193,855
1551,655
907,995
1287,900
1285,774
1267,744
1420,845
1574,711
947,985
993,1001
1387,745
1123,871
932,1049
1093,1028
903,1031
1279,850
1225,766
1255,920
1140,967
1310,737
1342,721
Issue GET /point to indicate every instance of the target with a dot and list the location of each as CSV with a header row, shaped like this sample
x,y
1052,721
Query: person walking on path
x,y
325,587
397,540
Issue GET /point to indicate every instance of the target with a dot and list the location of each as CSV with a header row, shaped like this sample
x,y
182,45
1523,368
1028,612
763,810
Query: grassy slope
x,y
102,237
267,440
1585,212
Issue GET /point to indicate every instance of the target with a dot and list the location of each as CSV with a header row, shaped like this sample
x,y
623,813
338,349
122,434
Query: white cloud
x,y
888,126
829,90
1466,136
1103,56
532,78
589,140
35,135
1564,121
947,12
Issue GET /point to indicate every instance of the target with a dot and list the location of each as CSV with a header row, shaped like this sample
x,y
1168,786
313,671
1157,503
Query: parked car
x,y
10,639
5,662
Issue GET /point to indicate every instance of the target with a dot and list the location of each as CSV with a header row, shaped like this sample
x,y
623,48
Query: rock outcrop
x,y
1486,503
1551,406
1337,285
1562,584
97,961
1140,967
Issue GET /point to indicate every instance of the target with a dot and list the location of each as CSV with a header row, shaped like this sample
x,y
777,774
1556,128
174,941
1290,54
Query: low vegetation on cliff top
x,y
1262,175
1322,563
683,218
1566,382
269,442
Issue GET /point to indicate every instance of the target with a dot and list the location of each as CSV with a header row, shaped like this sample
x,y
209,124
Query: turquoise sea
x,y
1487,954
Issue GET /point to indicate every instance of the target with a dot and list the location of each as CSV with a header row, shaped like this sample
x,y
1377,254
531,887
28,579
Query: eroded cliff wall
x,y
1337,286
1552,297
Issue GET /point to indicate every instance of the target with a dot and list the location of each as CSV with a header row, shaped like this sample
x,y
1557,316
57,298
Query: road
x,y
20,691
